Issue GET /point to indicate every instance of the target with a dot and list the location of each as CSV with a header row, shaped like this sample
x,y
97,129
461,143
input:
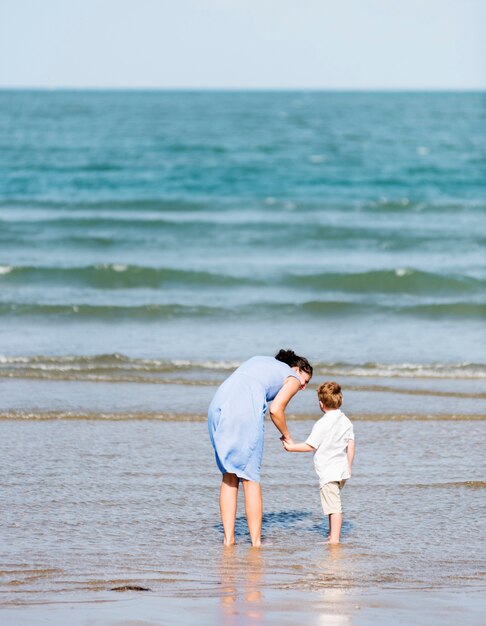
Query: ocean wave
x,y
470,484
405,204
105,366
133,204
110,312
398,280
317,309
372,369
116,275
447,309
32,415
95,416
324,308
118,367
301,214
215,230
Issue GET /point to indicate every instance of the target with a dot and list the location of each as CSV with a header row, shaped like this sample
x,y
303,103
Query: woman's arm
x,y
277,411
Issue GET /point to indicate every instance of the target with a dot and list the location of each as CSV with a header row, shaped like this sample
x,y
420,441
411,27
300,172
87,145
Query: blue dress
x,y
237,411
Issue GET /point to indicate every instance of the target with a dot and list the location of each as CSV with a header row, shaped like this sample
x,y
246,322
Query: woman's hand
x,y
288,444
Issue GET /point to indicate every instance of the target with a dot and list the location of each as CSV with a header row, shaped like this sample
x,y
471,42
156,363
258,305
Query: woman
x,y
235,421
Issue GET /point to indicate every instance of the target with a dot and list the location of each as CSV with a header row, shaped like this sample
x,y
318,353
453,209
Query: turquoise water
x,y
151,232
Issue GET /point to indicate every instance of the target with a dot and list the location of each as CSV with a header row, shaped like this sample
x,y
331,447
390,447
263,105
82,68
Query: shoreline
x,y
260,606
159,416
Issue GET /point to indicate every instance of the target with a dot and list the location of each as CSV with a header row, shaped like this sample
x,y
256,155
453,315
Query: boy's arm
x,y
350,453
297,447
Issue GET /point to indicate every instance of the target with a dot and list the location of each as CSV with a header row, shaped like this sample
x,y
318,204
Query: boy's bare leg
x,y
253,508
228,498
335,523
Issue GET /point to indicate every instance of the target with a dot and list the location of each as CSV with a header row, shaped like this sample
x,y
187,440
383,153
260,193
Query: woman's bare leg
x,y
253,508
228,498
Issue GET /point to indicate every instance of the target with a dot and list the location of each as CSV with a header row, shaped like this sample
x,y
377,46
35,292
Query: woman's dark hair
x,y
292,360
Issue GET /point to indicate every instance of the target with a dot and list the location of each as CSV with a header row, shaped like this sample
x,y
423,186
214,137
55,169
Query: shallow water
x,y
117,387
91,505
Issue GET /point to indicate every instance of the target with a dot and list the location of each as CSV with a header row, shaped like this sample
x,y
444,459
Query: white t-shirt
x,y
330,437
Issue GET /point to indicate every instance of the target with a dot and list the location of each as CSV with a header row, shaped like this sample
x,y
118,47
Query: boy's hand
x,y
288,445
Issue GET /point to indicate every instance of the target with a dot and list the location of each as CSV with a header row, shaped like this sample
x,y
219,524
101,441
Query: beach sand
x,y
243,606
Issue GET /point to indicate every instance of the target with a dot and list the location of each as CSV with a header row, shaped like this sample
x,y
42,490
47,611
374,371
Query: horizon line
x,y
249,89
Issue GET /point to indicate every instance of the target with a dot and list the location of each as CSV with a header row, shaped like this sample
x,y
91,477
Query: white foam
x,y
14,359
212,365
5,269
317,158
118,267
405,370
289,206
402,271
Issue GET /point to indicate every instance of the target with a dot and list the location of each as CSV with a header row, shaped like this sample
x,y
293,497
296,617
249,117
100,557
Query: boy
x,y
332,440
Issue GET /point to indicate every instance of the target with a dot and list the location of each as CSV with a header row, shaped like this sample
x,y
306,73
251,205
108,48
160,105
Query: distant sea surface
x,y
153,236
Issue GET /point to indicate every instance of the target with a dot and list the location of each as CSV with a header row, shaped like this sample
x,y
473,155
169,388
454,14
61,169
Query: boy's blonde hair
x,y
330,395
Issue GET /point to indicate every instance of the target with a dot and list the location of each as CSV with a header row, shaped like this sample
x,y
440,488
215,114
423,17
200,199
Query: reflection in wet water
x,y
241,584
334,597
246,595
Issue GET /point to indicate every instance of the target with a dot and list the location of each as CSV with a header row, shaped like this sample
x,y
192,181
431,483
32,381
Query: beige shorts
x,y
331,497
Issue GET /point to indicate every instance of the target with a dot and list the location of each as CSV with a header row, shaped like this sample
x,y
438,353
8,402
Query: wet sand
x,y
246,606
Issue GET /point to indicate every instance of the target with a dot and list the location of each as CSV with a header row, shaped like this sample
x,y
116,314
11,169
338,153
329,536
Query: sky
x,y
243,44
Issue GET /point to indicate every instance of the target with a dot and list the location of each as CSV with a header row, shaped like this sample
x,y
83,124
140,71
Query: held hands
x,y
287,442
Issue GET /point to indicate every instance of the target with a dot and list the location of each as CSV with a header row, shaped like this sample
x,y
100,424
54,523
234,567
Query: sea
x,y
151,241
